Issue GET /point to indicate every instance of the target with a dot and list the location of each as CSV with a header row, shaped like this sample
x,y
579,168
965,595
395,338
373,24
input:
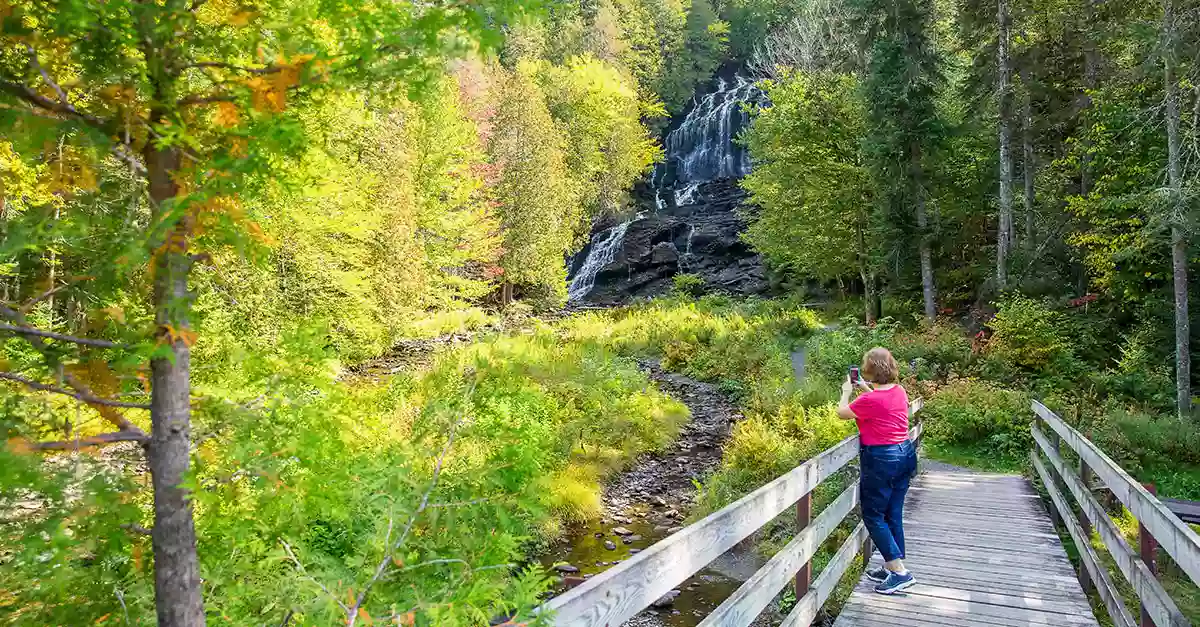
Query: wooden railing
x,y
619,593
1157,524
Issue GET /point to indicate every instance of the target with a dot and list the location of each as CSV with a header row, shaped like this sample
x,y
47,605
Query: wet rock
x,y
660,501
610,545
566,568
621,531
634,551
666,600
674,529
660,528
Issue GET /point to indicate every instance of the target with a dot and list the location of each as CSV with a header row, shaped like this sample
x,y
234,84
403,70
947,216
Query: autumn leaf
x,y
137,556
362,613
227,115
114,313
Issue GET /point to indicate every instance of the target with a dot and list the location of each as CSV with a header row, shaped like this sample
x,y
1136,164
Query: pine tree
x,y
903,78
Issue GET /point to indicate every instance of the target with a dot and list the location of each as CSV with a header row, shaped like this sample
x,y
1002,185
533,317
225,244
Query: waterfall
x,y
702,147
604,249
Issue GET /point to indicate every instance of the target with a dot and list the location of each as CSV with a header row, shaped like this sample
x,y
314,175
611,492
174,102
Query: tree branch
x,y
80,396
29,95
300,567
270,69
95,440
33,61
197,99
136,528
83,341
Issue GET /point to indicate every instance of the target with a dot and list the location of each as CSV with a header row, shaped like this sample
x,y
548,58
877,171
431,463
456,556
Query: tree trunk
x,y
1004,94
870,298
927,287
1028,165
1091,70
178,598
1179,239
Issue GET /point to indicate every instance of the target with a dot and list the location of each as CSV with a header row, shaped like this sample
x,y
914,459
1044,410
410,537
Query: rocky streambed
x,y
652,500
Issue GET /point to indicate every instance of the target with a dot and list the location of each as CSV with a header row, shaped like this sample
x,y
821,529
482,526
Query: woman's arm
x,y
843,411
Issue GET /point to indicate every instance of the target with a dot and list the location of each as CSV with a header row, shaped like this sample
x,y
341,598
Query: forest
x,y
285,336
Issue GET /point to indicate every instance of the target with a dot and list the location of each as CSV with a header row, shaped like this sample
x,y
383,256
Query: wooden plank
x,y
1173,535
912,614
749,600
1087,555
1073,607
1187,511
1153,596
977,611
618,593
806,608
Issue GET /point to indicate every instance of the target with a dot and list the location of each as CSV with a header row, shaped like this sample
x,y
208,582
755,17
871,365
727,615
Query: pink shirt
x,y
882,416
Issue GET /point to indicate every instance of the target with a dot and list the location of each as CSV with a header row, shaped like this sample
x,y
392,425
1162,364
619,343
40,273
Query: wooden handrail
x,y
1172,534
619,593
1154,597
1177,538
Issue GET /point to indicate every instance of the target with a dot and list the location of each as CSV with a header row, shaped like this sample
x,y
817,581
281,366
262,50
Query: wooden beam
x,y
1173,536
806,608
619,593
1155,600
745,604
1087,555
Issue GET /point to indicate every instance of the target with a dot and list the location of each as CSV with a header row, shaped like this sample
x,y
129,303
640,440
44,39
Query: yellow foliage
x,y
227,115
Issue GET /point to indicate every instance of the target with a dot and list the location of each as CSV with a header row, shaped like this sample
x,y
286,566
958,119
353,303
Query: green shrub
x,y
1029,334
686,284
979,417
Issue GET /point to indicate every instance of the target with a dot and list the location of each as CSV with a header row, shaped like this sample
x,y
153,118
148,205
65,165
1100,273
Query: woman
x,y
888,461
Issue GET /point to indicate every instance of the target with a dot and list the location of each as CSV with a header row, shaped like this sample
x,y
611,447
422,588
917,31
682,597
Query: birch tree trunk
x,y
1179,239
927,287
1004,94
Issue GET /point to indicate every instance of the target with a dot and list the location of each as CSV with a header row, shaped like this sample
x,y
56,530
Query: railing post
x,y
1057,442
1149,550
803,518
1085,578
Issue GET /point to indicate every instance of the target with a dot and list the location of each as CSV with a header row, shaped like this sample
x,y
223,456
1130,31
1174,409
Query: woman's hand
x,y
862,383
847,386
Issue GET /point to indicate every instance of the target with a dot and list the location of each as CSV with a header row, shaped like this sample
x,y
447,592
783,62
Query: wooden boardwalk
x,y
984,552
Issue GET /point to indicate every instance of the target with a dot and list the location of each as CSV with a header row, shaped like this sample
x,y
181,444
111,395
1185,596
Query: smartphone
x,y
854,376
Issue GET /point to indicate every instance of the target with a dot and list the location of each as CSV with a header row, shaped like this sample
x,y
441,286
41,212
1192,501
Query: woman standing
x,y
888,461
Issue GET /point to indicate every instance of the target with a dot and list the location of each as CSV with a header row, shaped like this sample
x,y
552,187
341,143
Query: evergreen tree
x,y
537,202
901,87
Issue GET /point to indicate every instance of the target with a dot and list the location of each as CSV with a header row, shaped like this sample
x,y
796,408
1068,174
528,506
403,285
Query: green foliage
x,y
686,284
989,421
703,48
810,185
1029,334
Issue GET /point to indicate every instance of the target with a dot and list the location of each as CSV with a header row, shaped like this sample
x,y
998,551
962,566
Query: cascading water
x,y
701,149
604,248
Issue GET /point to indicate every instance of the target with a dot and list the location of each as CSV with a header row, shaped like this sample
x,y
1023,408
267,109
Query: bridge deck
x,y
984,553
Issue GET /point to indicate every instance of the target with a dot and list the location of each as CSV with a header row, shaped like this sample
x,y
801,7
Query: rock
x,y
565,568
634,551
621,531
666,600
660,528
634,538
671,513
660,501
599,534
610,545
674,529
701,238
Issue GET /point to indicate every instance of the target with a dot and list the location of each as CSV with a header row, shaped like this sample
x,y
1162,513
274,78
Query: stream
x,y
652,500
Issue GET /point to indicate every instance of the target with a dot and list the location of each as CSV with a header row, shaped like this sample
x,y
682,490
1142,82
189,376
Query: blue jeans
x,y
885,475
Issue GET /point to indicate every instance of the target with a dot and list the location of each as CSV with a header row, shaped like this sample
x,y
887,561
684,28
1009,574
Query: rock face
x,y
700,237
686,220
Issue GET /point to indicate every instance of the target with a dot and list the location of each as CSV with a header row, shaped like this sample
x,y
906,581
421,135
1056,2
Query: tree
x,y
703,48
901,85
1004,101
537,202
811,183
1179,239
190,96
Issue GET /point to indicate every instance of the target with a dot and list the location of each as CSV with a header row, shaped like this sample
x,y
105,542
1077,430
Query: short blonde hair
x,y
880,367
